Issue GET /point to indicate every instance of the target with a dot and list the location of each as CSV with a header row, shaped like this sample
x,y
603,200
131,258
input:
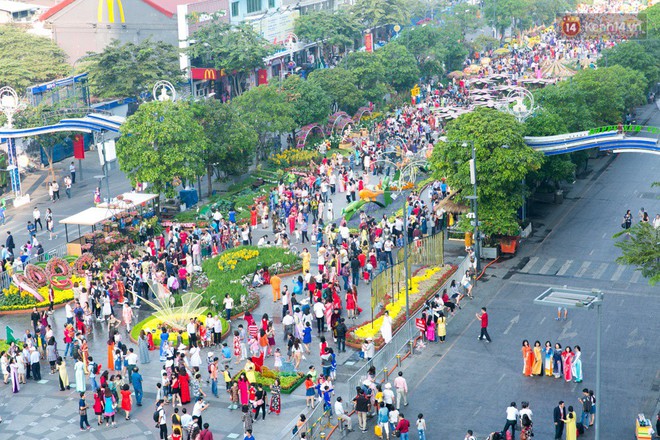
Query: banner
x,y
262,77
369,42
78,146
209,74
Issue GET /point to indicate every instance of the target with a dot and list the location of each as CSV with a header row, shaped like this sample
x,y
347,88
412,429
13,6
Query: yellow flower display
x,y
229,260
398,304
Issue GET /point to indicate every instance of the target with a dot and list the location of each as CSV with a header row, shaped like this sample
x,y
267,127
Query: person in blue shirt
x,y
136,380
248,435
327,399
232,215
226,353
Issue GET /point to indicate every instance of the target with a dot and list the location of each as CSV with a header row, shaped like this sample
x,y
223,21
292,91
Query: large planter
x,y
509,245
490,253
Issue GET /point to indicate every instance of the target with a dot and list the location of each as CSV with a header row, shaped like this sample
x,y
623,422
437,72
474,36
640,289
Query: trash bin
x,y
559,197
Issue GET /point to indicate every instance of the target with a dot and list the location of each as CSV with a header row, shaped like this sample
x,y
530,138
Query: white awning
x,y
90,216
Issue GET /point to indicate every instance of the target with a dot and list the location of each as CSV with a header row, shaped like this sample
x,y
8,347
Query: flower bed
x,y
423,286
155,323
15,299
223,281
294,157
288,381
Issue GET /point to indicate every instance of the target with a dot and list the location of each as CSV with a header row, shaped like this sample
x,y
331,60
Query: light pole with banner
x,y
10,105
475,203
579,299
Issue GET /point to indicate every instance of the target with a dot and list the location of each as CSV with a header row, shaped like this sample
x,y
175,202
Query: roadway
x,y
467,384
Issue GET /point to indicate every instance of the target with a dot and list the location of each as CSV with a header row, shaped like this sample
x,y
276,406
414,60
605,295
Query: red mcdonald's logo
x,y
203,74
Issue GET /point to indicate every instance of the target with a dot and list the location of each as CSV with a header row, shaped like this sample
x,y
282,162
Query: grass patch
x,y
153,322
288,381
235,266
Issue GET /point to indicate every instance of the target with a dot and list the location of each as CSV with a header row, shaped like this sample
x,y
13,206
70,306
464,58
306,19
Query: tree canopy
x,y
128,69
379,13
633,55
402,72
267,110
370,73
499,170
231,141
236,49
328,28
160,143
641,250
341,87
310,102
27,59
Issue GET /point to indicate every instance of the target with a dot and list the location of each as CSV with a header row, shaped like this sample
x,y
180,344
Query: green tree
x,y
633,55
402,71
642,250
128,69
329,29
501,13
239,50
566,101
27,59
160,143
500,171
611,91
231,141
370,72
651,17
341,86
310,102
268,111
379,13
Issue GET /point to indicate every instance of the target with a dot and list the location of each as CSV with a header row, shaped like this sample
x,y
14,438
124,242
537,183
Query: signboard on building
x,y
276,27
205,74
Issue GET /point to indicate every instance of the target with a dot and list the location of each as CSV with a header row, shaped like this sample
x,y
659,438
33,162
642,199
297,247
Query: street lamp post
x,y
579,299
475,203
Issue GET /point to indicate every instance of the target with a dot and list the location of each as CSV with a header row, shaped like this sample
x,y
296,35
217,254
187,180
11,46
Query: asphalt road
x,y
467,384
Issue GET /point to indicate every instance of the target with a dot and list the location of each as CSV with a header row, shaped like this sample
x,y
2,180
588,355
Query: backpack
x,y
156,416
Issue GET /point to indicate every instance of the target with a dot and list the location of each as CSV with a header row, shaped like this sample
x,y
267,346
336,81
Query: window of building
x,y
234,9
253,6
271,3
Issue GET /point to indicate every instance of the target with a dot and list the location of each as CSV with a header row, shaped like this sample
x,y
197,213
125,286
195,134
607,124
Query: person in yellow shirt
x,y
275,284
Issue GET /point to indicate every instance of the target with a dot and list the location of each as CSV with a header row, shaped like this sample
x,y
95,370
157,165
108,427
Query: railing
x,y
400,347
317,425
426,251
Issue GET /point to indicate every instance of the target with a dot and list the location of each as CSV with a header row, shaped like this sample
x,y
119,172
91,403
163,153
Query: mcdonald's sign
x,y
110,10
197,73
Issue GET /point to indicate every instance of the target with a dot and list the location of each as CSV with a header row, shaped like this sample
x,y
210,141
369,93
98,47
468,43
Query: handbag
x,y
295,430
623,225
397,433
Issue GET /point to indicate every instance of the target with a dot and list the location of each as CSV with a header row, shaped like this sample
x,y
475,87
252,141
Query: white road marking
x,y
592,252
564,268
501,377
617,273
635,276
604,235
609,292
540,323
546,267
600,271
583,269
532,261
477,411
607,328
514,320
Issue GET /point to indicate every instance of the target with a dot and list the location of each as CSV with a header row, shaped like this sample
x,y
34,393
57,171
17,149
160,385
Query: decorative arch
x,y
360,113
338,121
301,137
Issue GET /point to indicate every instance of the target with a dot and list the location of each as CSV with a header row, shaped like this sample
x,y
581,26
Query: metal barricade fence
x,y
402,342
317,422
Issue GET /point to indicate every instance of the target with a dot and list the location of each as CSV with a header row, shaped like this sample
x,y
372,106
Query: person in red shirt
x,y
403,427
483,317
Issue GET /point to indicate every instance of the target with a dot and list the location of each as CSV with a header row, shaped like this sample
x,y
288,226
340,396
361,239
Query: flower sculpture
x,y
174,316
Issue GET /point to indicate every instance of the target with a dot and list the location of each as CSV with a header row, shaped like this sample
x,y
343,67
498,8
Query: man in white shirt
x,y
511,420
36,215
401,390
162,419
341,414
186,420
131,360
68,312
200,406
228,302
319,314
388,395
288,322
191,328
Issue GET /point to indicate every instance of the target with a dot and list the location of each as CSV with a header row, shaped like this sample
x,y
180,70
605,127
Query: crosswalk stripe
x,y
617,273
636,275
564,268
532,261
600,271
546,267
583,269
